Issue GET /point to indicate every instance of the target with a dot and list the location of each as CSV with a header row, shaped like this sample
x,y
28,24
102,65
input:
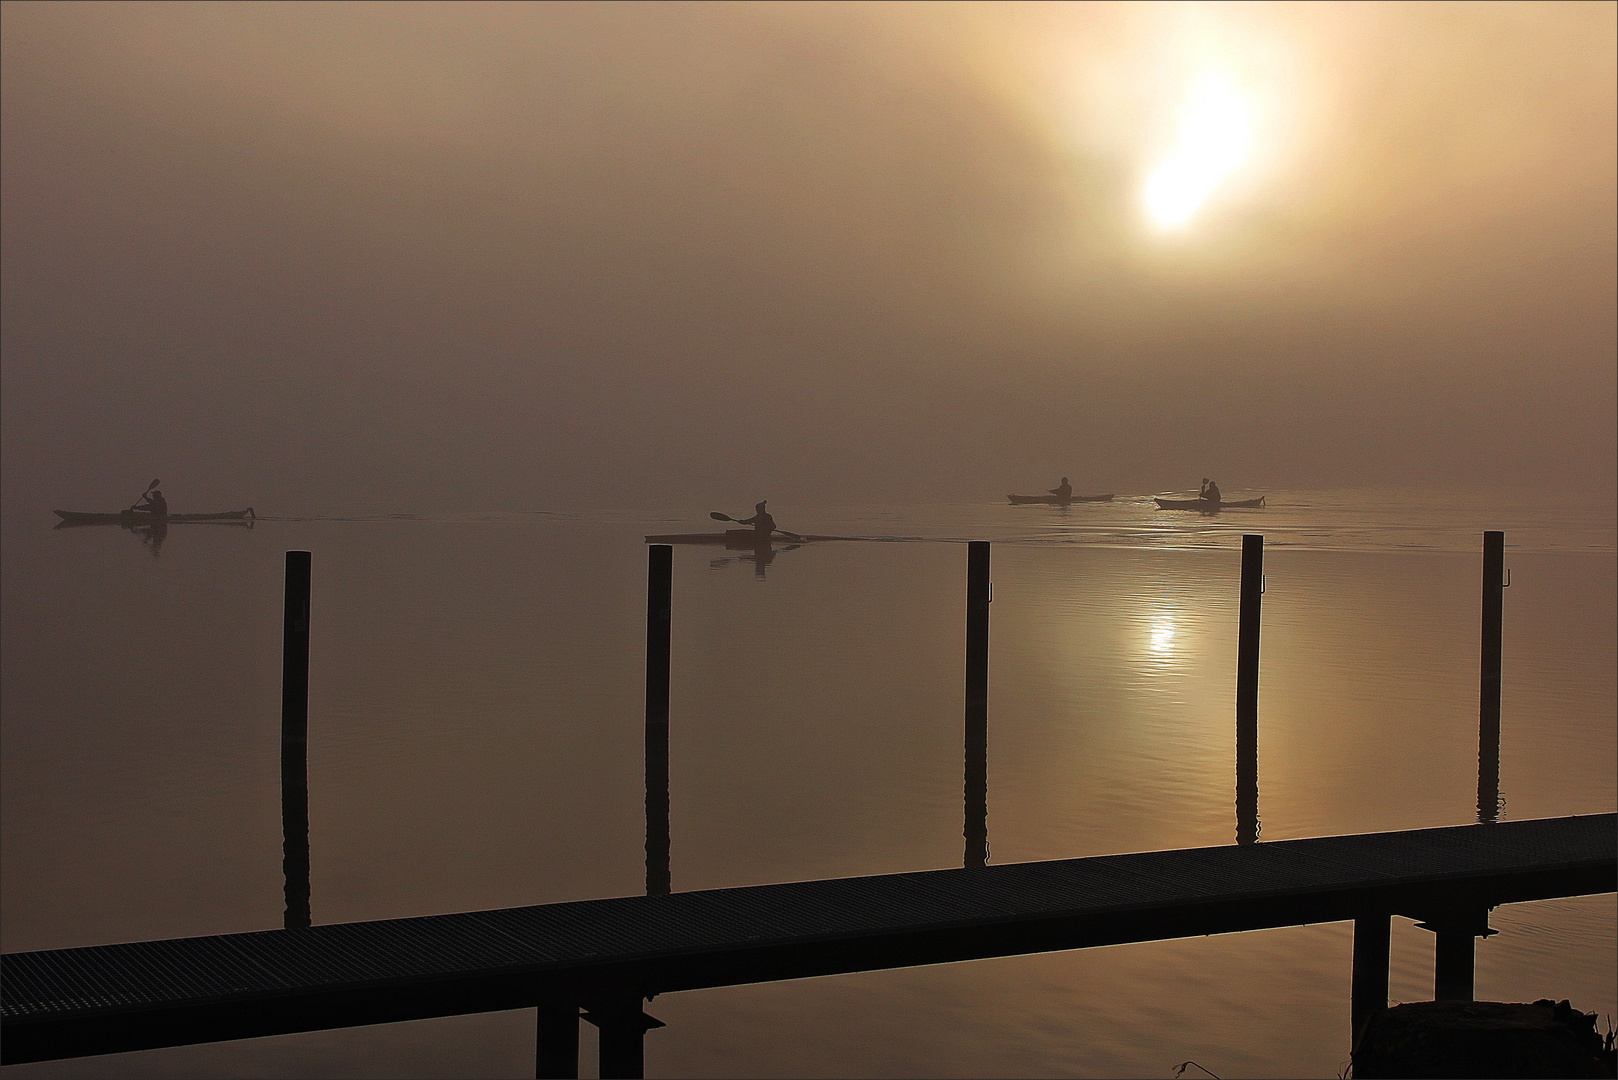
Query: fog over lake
x,y
482,256
469,300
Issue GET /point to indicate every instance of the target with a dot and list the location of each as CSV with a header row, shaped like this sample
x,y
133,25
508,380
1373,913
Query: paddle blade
x,y
153,484
717,516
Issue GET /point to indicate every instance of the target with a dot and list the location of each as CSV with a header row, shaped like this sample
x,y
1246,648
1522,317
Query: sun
x,y
1213,138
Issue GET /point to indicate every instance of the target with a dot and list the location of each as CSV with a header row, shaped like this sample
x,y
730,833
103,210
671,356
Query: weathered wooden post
x,y
295,739
977,703
1247,636
1494,559
659,610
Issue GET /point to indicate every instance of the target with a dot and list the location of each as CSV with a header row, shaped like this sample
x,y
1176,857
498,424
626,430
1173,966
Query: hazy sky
x,y
318,257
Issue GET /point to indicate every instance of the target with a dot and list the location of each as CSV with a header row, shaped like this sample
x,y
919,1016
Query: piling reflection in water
x,y
659,880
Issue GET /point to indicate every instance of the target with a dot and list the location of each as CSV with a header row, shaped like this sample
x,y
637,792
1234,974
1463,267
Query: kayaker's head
x,y
1064,479
760,507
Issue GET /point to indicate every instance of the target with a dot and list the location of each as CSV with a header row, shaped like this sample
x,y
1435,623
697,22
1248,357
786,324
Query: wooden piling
x,y
295,739
976,828
556,1054
1494,560
659,611
622,1025
1368,994
1247,637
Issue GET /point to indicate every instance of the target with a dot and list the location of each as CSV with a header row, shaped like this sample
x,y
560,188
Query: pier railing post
x,y
1247,639
1494,560
295,739
659,612
976,828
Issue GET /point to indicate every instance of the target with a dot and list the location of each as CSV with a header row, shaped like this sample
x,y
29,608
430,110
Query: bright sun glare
x,y
1162,632
1214,137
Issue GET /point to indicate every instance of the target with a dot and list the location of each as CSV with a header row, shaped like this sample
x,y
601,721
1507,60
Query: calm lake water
x,y
475,742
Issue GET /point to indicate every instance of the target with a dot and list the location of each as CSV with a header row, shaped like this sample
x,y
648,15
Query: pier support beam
x,y
1369,994
556,1055
623,1027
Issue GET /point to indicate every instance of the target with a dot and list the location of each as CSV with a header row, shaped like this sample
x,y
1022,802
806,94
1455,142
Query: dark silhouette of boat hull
x,y
1208,507
133,518
1056,500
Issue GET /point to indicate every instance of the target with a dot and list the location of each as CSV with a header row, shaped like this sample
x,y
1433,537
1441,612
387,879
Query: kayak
x,y
140,517
1209,507
737,539
1057,500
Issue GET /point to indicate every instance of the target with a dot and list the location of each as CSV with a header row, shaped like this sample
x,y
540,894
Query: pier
x,y
606,957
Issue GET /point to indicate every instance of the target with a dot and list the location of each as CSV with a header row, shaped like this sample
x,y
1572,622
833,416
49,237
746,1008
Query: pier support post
x,y
295,739
1494,560
1454,964
556,1051
1454,954
659,613
623,1027
976,828
1247,638
1369,994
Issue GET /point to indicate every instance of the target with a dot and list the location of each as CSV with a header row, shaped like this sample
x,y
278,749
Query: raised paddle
x,y
717,516
149,487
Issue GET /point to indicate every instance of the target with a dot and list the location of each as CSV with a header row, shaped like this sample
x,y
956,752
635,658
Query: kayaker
x,y
1065,491
1210,491
153,503
763,524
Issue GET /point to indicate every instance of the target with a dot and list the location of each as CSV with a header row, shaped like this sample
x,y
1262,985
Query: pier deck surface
x,y
108,998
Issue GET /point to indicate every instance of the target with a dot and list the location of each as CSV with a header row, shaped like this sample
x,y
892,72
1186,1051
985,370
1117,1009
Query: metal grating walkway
x,y
68,1002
